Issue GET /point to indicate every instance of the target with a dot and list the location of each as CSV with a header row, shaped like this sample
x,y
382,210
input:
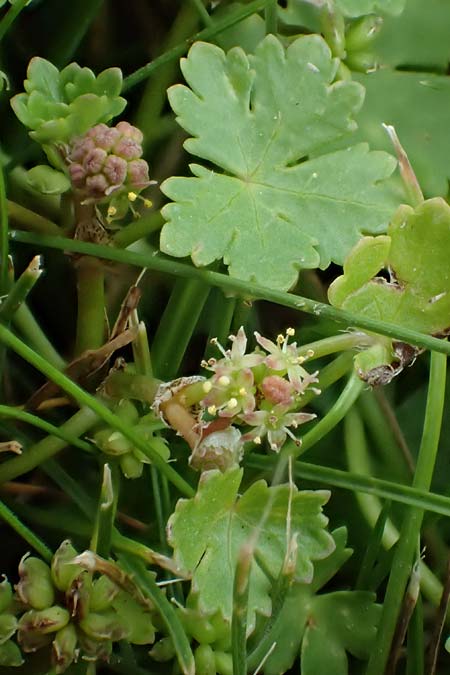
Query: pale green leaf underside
x,y
208,531
271,210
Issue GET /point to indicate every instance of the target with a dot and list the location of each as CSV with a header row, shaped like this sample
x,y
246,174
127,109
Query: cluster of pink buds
x,y
106,160
261,390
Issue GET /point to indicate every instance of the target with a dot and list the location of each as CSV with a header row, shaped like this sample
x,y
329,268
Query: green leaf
x,y
47,180
416,38
280,204
61,105
207,532
354,8
324,627
305,13
417,105
43,76
418,295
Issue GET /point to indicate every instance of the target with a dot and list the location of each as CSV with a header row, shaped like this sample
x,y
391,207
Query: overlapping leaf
x,y
323,628
208,531
306,12
280,203
416,252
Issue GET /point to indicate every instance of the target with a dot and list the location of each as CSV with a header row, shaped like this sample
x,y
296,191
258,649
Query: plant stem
x,y
335,343
138,229
29,220
91,305
177,326
51,429
4,240
25,322
356,482
336,413
271,17
20,290
410,531
330,374
9,517
206,34
10,16
240,287
97,408
201,9
83,420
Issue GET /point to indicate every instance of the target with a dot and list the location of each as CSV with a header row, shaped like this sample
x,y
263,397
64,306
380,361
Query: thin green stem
x,y
106,510
415,641
22,530
81,422
177,326
356,482
51,429
331,373
20,290
271,17
97,408
91,305
201,9
4,240
240,287
10,16
29,220
335,343
372,549
410,531
206,34
29,328
138,229
336,413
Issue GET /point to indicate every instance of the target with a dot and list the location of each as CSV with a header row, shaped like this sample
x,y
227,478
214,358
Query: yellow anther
x,y
290,331
257,440
111,211
280,339
309,353
224,380
212,409
207,386
148,203
132,196
300,360
242,391
232,403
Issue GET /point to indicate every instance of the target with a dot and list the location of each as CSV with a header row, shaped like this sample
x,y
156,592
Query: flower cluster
x,y
60,608
261,390
108,160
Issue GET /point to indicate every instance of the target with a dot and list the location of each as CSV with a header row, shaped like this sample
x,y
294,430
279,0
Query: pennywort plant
x,y
158,410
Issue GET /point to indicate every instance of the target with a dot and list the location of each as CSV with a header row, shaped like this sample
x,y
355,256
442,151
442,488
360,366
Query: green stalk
x,y
336,413
106,510
20,290
4,240
201,9
410,531
373,549
22,530
356,482
146,584
10,16
335,343
177,326
97,408
240,287
271,17
138,229
206,34
83,420
91,305
332,372
415,641
50,429
27,325
29,220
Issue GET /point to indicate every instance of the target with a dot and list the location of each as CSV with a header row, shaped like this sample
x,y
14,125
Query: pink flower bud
x,y
94,160
138,173
115,170
277,390
128,129
97,185
128,148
